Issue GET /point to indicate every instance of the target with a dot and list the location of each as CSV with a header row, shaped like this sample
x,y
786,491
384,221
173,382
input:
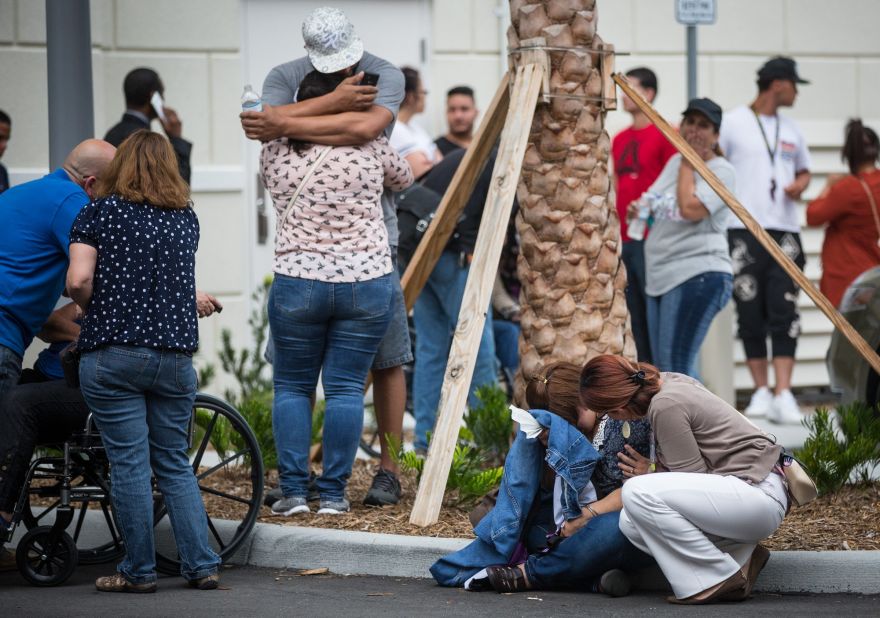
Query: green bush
x,y
470,478
249,366
834,456
489,425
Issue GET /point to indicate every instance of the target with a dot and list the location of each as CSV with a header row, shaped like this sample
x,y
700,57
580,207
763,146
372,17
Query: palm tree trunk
x,y
573,281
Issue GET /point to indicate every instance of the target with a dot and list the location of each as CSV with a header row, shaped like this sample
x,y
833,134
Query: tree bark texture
x,y
573,281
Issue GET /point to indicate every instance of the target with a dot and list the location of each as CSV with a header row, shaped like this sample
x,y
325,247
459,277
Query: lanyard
x,y
770,151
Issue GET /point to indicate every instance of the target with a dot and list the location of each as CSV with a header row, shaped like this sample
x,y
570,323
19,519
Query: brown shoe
x,y
209,582
507,578
118,583
752,569
732,584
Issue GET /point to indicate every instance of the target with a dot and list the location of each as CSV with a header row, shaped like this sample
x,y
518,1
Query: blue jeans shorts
x,y
396,348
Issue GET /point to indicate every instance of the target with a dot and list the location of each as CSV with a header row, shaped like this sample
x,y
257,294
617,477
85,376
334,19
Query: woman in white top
x,y
408,138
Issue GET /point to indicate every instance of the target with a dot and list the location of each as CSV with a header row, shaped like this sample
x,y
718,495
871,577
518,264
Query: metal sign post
x,y
691,13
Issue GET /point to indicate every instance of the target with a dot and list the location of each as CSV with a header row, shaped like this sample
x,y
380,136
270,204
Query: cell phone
x,y
158,105
370,79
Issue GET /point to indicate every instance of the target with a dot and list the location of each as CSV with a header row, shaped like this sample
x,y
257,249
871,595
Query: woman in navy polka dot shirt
x,y
132,270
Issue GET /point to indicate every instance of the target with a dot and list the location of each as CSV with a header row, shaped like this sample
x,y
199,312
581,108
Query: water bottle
x,y
250,100
638,226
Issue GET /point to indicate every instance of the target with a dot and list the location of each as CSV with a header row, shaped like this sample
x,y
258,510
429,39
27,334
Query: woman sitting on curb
x,y
551,489
722,492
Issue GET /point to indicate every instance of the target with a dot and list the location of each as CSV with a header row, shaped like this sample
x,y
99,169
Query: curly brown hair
x,y
555,388
610,383
145,171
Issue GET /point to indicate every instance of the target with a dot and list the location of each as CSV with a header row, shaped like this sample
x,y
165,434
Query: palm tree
x,y
573,303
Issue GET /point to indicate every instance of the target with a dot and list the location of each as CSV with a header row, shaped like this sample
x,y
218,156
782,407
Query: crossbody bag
x,y
873,207
308,176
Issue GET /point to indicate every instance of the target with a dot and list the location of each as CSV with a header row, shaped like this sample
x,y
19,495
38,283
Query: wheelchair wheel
x,y
103,542
228,464
43,562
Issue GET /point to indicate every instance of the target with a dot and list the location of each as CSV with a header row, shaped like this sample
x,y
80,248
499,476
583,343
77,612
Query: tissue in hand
x,y
526,421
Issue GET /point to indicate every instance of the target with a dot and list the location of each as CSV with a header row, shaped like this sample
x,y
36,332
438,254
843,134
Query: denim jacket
x,y
570,455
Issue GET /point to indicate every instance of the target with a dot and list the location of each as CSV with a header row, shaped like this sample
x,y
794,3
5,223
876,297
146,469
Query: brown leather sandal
x,y
507,579
755,565
732,584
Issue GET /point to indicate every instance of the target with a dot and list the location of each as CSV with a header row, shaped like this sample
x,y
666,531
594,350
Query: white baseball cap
x,y
331,42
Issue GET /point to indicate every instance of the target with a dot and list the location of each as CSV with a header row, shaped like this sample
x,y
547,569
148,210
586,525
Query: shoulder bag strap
x,y
302,184
873,207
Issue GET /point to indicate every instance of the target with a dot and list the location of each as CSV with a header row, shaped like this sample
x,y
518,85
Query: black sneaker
x,y
385,489
274,495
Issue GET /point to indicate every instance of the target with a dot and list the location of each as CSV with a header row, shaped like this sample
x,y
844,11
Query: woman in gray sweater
x,y
721,490
688,274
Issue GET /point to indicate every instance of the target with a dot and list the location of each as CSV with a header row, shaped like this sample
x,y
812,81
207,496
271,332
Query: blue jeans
x,y
506,336
334,327
679,320
577,561
142,402
436,315
633,255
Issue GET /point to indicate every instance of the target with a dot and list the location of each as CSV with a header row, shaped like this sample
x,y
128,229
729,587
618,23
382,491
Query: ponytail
x,y
860,145
613,384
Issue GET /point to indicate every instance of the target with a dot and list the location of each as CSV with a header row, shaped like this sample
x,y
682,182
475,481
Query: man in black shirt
x,y
436,310
139,87
461,114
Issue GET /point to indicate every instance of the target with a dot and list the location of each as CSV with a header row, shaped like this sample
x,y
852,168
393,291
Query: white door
x,y
396,30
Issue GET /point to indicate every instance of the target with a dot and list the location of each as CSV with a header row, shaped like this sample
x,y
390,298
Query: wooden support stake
x,y
490,239
753,226
609,92
456,197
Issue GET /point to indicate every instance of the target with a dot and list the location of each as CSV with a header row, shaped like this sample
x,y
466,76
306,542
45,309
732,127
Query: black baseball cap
x,y
709,108
781,67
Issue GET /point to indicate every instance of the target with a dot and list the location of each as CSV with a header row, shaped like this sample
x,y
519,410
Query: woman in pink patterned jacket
x,y
330,301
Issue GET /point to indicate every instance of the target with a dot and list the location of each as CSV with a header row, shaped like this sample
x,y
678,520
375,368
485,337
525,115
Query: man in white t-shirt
x,y
772,169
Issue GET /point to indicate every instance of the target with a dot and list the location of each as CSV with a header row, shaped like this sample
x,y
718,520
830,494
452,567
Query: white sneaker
x,y
761,404
785,410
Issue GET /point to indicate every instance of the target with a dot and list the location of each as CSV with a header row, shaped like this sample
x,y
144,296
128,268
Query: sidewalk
x,y
362,553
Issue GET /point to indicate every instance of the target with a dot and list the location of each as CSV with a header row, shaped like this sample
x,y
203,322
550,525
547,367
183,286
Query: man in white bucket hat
x,y
351,114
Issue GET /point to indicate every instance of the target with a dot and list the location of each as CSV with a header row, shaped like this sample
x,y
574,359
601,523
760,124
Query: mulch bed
x,y
847,520
453,521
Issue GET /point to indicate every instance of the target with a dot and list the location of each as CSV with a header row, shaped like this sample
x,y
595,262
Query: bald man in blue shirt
x,y
35,220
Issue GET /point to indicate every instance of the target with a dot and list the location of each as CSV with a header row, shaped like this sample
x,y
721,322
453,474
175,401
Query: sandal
x,y
733,584
507,579
755,565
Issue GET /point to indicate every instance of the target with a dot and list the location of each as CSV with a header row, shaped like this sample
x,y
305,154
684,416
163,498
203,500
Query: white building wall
x,y
195,47
198,47
836,47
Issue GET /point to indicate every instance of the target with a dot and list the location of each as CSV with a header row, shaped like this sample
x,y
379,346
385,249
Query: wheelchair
x,y
69,487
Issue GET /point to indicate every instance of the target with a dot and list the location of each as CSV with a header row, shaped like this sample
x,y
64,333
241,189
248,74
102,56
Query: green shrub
x,y
834,456
469,476
489,426
249,366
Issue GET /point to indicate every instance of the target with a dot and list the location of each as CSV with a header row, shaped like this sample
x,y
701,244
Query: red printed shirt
x,y
639,157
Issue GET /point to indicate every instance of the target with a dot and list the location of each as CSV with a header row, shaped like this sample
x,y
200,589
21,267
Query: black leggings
x,y
34,413
766,297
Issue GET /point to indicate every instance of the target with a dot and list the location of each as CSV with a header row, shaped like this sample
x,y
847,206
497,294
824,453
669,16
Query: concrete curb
x,y
363,553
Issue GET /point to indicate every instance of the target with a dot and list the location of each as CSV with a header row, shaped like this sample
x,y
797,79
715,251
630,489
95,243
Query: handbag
x,y
302,185
70,357
801,488
873,207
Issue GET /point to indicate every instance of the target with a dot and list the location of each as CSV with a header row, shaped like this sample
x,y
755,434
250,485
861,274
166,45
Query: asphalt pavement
x,y
270,592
